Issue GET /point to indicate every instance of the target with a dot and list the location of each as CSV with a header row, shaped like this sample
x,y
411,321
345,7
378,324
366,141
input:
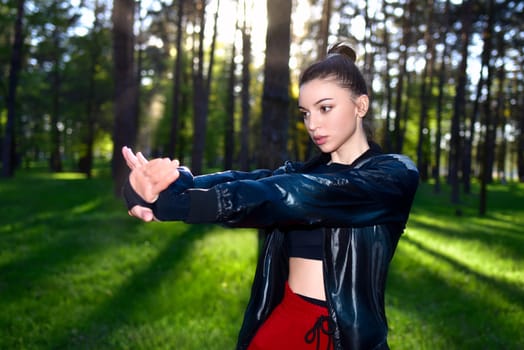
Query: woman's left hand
x,y
149,178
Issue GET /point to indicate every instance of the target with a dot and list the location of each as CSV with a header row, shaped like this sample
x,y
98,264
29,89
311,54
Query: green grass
x,y
76,272
457,282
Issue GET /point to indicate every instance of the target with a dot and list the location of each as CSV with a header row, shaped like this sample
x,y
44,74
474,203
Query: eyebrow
x,y
319,101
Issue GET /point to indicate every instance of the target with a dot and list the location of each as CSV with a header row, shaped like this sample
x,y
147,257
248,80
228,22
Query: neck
x,y
351,154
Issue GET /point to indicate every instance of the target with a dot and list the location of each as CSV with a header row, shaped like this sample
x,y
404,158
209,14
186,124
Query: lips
x,y
320,140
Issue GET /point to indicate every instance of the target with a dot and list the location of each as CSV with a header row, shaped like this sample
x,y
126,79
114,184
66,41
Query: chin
x,y
325,149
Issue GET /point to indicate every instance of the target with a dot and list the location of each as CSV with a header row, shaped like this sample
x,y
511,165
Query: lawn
x,y
77,272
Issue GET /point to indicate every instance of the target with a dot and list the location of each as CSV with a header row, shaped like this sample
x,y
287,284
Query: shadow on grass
x,y
507,238
109,316
440,315
39,220
38,224
438,301
501,227
39,240
509,291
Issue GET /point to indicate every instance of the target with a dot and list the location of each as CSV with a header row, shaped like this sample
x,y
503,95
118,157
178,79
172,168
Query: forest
x,y
214,83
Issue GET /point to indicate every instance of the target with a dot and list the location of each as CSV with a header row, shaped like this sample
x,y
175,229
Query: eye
x,y
305,114
325,109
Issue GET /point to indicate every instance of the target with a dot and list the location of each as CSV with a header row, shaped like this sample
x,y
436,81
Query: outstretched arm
x,y
378,192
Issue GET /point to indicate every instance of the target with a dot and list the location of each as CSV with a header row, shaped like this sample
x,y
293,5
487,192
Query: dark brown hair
x,y
339,64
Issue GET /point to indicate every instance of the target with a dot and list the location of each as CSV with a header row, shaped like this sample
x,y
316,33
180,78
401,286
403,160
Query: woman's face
x,y
333,118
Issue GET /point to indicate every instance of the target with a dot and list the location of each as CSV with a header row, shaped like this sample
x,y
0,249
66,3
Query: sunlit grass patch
x,y
463,274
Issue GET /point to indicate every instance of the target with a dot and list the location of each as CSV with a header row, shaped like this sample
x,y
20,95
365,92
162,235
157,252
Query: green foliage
x,y
77,272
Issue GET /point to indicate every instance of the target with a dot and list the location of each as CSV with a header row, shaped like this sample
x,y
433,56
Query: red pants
x,y
295,324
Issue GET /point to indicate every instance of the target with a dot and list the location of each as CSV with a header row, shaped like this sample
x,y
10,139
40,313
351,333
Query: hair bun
x,y
344,49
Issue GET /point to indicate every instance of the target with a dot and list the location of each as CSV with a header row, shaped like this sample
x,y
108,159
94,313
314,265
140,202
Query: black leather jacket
x,y
363,210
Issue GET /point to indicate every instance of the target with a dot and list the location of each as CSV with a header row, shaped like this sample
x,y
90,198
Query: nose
x,y
312,122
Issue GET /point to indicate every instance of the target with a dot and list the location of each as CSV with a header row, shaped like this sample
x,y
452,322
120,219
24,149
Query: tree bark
x,y
245,151
8,148
425,98
55,161
86,161
520,145
468,140
387,142
485,173
201,93
177,71
275,100
272,150
229,121
440,102
406,39
499,148
126,90
459,105
323,34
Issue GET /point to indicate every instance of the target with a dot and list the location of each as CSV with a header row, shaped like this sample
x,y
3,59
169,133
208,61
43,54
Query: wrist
x,y
132,198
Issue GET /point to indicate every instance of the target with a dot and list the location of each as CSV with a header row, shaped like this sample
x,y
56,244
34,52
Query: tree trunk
x,y
468,140
245,152
86,161
485,174
55,161
459,105
275,99
369,56
520,145
499,120
126,90
272,150
229,122
406,39
387,142
8,148
425,98
440,103
323,33
499,157
177,71
201,93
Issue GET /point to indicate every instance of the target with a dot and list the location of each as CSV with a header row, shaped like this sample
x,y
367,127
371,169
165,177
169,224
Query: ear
x,y
362,105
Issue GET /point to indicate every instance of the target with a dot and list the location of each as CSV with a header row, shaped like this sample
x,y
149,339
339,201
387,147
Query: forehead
x,y
320,88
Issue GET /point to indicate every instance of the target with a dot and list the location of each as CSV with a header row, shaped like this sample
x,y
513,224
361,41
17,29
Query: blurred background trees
x,y
213,82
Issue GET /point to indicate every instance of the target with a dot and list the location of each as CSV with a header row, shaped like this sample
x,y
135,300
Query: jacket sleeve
x,y
210,180
381,191
187,181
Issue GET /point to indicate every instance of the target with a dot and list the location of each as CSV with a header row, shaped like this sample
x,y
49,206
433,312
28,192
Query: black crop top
x,y
307,243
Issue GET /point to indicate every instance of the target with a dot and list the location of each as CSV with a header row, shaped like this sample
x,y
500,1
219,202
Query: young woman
x,y
333,222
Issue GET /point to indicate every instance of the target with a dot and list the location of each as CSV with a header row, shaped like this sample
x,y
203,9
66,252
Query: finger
x,y
143,213
129,156
163,183
141,159
157,168
161,170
